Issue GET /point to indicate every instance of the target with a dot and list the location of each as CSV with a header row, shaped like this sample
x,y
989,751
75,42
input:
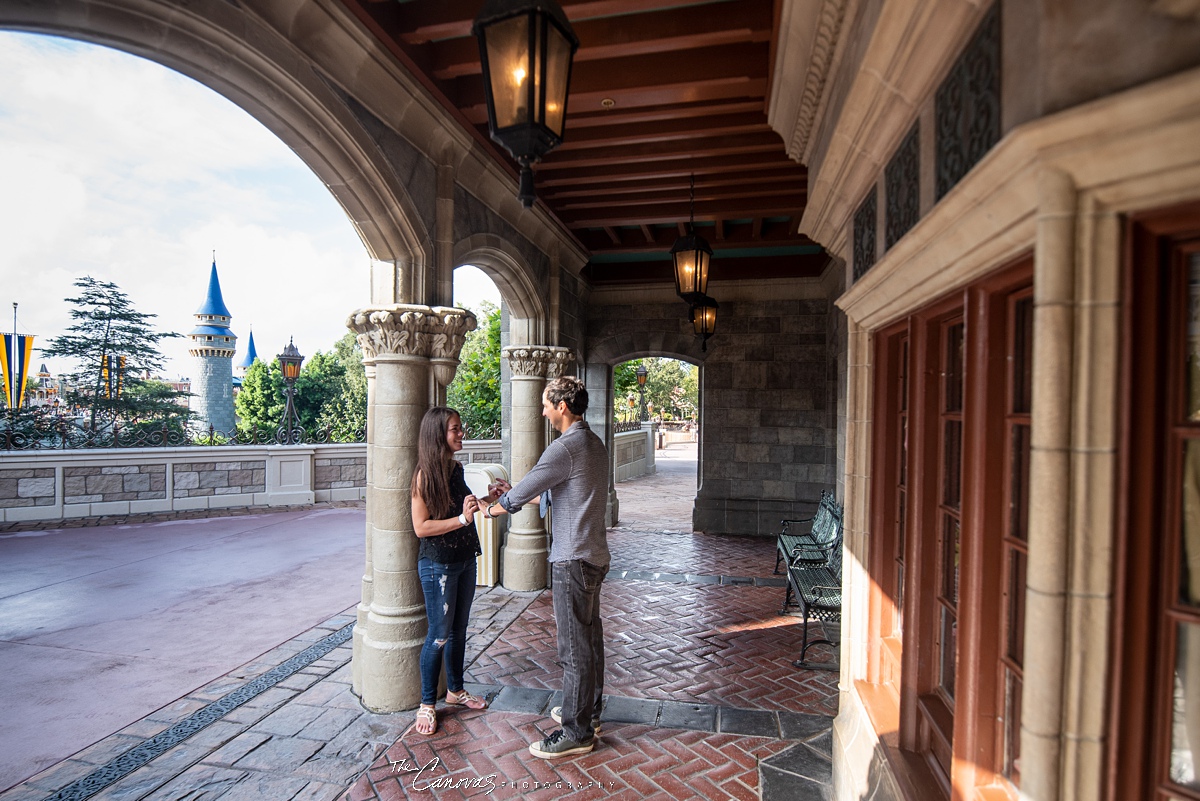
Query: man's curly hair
x,y
570,389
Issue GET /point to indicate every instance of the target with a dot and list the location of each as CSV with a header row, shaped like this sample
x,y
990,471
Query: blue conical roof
x,y
251,353
213,303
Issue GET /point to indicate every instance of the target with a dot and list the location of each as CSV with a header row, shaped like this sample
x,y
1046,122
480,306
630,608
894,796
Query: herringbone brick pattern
x,y
698,553
485,755
716,644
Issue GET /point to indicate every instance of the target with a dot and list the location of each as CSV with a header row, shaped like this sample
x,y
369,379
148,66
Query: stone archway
x,y
274,81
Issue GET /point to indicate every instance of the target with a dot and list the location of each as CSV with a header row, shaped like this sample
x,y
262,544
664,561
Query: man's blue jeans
x,y
449,590
576,595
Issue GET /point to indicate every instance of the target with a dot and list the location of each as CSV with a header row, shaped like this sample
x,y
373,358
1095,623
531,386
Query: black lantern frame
x,y
526,49
290,431
703,313
692,256
641,374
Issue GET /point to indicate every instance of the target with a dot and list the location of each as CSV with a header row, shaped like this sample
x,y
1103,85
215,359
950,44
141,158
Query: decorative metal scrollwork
x,y
901,185
864,236
967,106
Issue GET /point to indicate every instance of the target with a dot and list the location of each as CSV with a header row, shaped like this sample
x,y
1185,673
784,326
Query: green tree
x,y
321,382
346,413
671,386
107,328
475,390
260,402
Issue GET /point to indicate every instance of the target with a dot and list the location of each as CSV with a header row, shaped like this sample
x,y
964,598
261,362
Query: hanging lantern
x,y
691,255
526,48
704,318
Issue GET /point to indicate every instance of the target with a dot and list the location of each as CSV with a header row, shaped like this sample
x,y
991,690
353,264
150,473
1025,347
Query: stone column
x,y
368,579
523,558
407,345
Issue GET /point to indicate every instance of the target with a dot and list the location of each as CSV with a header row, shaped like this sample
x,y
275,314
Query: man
x,y
574,470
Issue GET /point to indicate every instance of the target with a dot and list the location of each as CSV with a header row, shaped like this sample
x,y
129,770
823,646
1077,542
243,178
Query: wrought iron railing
x,y
628,425
47,433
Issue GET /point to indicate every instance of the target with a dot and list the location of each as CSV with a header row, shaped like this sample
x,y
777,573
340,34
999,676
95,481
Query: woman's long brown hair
x,y
435,461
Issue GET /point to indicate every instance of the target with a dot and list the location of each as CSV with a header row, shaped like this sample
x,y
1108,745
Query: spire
x,y
213,304
251,353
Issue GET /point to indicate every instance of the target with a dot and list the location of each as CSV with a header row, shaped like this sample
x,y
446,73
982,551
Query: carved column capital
x,y
433,332
538,361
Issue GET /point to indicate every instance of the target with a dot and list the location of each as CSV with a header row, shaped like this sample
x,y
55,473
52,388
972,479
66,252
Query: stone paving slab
x,y
703,702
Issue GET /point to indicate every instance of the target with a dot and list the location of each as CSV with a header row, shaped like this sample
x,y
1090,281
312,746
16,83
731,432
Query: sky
x,y
122,169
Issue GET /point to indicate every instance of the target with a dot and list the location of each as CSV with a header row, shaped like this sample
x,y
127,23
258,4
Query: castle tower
x,y
249,358
213,346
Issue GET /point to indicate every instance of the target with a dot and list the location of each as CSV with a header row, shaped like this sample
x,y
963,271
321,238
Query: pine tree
x,y
106,330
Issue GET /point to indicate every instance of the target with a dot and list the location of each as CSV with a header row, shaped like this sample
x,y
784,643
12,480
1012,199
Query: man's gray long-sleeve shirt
x,y
575,470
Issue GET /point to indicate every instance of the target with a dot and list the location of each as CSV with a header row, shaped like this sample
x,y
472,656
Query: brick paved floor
x,y
700,691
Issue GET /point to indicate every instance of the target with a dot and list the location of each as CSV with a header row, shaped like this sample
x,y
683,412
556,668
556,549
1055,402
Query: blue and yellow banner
x,y
15,359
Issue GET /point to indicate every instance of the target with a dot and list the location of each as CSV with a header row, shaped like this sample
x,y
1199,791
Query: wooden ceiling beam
x,y
665,31
762,206
673,185
754,162
662,151
680,130
603,200
447,19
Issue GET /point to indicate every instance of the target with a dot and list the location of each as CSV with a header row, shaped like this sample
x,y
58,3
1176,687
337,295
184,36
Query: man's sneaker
x,y
556,716
558,744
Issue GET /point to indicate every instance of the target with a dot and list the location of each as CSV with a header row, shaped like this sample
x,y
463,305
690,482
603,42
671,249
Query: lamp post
x,y
525,49
290,431
641,379
632,402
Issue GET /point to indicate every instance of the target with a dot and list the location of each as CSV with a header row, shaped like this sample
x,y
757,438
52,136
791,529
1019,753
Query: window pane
x,y
948,650
953,368
1016,607
1189,590
952,456
1185,723
1193,338
1012,727
951,532
1019,501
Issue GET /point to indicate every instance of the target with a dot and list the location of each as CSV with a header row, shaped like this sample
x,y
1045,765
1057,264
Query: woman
x,y
443,515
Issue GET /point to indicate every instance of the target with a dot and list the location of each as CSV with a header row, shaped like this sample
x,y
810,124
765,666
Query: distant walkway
x,y
663,501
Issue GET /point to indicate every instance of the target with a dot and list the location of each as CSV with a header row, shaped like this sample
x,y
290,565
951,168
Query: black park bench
x,y
814,574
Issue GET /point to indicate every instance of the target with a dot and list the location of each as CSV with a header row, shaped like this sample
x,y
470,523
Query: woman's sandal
x,y
464,698
426,715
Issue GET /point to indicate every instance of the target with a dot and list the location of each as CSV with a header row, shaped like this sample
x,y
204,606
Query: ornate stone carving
x,y
540,361
824,44
433,332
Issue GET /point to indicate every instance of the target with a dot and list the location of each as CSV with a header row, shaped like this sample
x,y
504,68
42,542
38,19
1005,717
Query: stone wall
x,y
768,436
27,487
99,484
202,479
339,472
633,454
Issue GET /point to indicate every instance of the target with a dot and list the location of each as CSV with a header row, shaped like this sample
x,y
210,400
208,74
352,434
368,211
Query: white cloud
x,y
119,168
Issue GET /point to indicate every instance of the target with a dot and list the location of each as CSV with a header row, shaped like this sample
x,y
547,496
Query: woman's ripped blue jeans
x,y
449,590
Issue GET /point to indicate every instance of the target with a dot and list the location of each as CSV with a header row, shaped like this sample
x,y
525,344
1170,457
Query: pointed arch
x,y
241,56
500,260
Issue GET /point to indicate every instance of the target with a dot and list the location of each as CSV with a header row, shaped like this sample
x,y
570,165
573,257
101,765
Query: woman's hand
x,y
471,505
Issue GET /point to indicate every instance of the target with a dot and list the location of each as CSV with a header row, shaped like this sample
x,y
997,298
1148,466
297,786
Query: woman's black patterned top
x,y
460,544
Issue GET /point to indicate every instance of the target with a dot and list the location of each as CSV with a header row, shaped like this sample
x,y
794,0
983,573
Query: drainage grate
x,y
121,766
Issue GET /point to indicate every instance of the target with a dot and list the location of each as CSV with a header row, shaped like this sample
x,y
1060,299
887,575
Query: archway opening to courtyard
x,y
127,171
656,410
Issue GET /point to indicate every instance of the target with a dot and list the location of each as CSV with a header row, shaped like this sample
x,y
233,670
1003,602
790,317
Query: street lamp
x,y
641,379
290,432
525,49
632,402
